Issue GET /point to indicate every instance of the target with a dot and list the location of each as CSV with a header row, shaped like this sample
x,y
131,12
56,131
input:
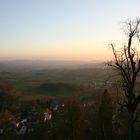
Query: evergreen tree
x,y
105,116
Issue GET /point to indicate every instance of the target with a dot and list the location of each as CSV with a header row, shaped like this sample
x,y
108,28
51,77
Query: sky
x,y
62,29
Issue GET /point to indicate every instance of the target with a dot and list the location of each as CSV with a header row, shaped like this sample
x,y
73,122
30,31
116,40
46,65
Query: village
x,y
26,121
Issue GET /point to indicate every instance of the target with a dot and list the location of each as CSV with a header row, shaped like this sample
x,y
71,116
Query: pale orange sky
x,y
65,50
62,29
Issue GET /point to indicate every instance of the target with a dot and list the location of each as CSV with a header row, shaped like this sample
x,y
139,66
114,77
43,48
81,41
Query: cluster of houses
x,y
21,126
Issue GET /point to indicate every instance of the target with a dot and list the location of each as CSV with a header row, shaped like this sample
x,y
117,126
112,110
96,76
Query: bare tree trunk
x,y
130,124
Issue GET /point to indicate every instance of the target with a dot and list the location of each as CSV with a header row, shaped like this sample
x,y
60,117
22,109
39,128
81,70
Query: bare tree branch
x,y
127,62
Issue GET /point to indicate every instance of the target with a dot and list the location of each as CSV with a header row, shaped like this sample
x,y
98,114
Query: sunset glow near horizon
x,y
62,29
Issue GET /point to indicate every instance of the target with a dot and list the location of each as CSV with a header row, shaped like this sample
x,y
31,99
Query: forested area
x,y
68,118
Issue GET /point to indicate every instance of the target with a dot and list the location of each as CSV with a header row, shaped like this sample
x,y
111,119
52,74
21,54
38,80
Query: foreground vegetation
x,y
72,117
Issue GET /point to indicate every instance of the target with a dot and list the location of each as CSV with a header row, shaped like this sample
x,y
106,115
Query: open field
x,y
78,80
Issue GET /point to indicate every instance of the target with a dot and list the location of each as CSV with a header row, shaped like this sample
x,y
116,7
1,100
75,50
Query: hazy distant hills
x,y
28,65
64,77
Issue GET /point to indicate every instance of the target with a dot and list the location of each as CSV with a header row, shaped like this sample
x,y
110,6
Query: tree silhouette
x,y
127,62
105,116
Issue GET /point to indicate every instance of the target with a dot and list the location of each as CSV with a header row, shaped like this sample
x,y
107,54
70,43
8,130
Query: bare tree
x,y
127,62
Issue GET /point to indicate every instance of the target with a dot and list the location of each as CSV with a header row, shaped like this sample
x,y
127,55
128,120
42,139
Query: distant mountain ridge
x,y
27,65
